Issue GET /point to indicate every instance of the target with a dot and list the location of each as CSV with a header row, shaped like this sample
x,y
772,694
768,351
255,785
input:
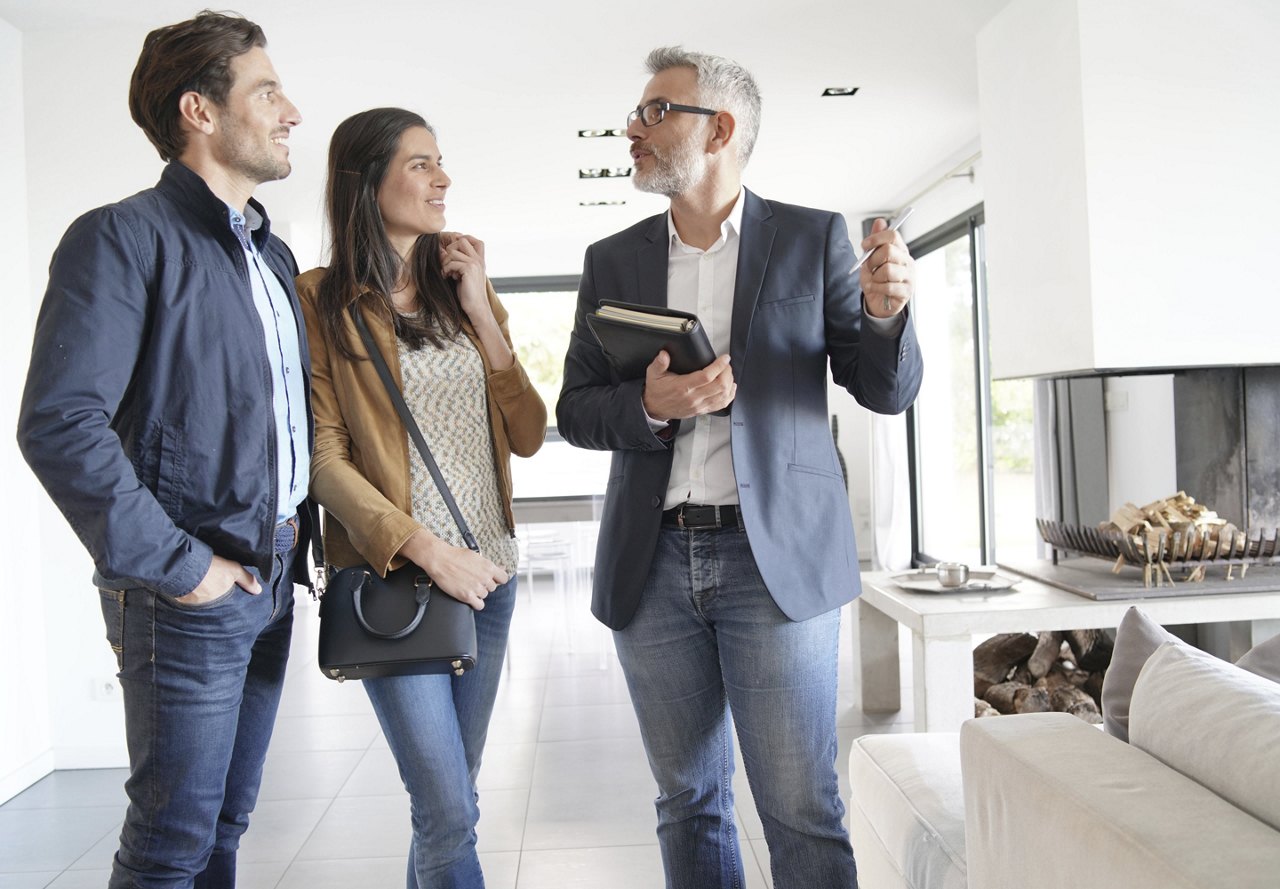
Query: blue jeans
x,y
436,727
201,685
708,639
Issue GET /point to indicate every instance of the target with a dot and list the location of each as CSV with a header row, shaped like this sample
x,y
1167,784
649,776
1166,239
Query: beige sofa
x,y
1046,800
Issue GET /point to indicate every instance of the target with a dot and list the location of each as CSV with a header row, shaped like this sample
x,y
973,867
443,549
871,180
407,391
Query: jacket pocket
x,y
814,470
787,300
171,480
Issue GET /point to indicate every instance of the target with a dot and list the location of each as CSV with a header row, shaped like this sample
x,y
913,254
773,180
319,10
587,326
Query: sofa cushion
x,y
1137,638
1263,659
907,794
1213,722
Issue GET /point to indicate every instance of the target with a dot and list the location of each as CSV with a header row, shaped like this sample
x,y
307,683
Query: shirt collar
x,y
251,219
731,225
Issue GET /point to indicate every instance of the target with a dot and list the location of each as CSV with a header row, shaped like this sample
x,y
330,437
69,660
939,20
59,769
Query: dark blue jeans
x,y
707,641
201,686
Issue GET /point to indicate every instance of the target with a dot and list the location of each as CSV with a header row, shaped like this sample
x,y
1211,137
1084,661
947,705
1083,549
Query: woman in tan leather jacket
x,y
442,331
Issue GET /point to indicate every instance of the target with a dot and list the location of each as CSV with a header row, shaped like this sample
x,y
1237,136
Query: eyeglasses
x,y
652,114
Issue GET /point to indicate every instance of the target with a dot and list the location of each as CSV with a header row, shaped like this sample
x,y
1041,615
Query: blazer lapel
x,y
753,258
651,264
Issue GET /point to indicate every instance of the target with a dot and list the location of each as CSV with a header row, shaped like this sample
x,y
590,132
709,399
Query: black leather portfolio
x,y
631,335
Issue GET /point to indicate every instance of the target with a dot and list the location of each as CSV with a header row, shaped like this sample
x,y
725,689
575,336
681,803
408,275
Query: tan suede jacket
x,y
360,467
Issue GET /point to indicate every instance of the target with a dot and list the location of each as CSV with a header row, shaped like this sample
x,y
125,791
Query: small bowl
x,y
953,574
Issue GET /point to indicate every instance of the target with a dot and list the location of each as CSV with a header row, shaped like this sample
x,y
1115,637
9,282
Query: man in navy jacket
x,y
166,413
726,546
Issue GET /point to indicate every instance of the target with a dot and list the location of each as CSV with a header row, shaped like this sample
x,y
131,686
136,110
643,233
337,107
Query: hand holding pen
x,y
887,269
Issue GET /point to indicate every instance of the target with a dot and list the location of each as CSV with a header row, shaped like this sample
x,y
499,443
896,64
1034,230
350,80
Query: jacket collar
x,y
753,259
185,187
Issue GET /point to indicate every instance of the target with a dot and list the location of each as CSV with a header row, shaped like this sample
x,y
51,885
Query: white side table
x,y
943,626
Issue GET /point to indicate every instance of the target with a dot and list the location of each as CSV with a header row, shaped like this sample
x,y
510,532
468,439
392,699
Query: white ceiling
x,y
507,86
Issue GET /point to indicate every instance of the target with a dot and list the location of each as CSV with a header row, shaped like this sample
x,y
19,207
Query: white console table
x,y
943,626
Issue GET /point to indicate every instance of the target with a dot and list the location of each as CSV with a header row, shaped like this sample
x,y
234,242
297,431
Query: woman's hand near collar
x,y
462,259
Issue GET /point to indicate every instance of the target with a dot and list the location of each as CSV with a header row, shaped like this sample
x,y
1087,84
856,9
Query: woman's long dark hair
x,y
362,260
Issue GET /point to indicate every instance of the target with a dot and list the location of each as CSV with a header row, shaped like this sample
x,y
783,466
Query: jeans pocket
x,y
203,606
113,617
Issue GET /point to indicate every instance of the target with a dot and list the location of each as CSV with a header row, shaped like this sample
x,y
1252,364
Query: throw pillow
x,y
1137,638
1213,722
1263,659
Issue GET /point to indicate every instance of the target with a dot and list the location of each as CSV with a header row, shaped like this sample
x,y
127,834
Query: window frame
x,y
967,224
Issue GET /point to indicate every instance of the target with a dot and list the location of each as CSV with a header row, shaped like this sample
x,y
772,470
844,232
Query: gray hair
x,y
722,84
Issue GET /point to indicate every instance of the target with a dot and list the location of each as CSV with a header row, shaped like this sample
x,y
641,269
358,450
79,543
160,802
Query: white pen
x,y
893,227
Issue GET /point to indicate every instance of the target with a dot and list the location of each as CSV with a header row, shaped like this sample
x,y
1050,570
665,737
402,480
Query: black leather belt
x,y
286,536
692,517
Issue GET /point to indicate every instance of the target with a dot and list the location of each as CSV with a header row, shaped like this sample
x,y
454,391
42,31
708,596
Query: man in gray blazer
x,y
726,546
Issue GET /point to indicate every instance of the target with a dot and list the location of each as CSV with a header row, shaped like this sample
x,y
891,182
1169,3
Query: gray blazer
x,y
794,308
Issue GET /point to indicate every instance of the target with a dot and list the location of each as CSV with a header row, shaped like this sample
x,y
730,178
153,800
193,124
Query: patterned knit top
x,y
446,393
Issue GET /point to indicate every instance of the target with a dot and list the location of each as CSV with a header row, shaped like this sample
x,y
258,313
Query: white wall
x,y
26,746
1141,459
1131,207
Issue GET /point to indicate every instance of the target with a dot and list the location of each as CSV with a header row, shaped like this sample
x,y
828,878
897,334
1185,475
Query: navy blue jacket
x,y
796,310
147,414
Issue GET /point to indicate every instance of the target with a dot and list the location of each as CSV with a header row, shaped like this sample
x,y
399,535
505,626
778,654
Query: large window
x,y
971,437
541,319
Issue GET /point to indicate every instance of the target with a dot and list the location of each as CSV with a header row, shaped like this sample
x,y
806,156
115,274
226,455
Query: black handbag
x,y
399,625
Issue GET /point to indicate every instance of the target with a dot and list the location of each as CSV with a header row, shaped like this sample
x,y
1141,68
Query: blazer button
x,y
655,502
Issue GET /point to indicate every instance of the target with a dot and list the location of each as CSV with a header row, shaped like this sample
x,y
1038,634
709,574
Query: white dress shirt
x,y
703,282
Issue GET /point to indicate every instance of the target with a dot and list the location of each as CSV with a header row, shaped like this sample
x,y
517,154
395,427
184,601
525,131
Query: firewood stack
x,y
1022,673
1204,529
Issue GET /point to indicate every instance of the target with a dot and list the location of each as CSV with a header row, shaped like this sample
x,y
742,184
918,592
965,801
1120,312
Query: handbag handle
x,y
421,594
411,425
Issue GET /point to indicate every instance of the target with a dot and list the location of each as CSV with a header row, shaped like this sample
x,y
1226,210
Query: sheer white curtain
x,y
890,493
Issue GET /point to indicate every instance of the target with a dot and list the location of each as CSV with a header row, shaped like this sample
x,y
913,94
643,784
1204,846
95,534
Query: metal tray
x,y
981,580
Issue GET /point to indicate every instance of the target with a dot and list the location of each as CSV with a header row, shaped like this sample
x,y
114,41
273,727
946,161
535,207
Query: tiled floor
x,y
566,796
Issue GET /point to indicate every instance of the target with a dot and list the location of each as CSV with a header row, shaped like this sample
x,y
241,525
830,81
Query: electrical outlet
x,y
105,688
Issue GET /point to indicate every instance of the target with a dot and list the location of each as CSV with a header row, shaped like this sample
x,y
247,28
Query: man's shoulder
x,y
630,236
784,212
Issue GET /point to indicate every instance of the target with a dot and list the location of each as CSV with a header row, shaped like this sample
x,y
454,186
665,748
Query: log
x,y
996,657
1014,697
981,708
1048,647
1092,648
1077,702
1093,685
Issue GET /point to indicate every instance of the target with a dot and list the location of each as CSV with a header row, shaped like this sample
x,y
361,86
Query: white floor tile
x,y
51,839
361,827
588,722
346,873
28,880
307,774
615,867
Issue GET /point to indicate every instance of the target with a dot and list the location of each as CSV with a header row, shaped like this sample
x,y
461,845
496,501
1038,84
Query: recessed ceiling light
x,y
839,91
601,203
599,134
604,173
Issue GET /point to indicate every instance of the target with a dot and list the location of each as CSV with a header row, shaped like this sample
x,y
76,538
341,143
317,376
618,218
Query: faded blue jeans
x,y
709,639
201,686
436,727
